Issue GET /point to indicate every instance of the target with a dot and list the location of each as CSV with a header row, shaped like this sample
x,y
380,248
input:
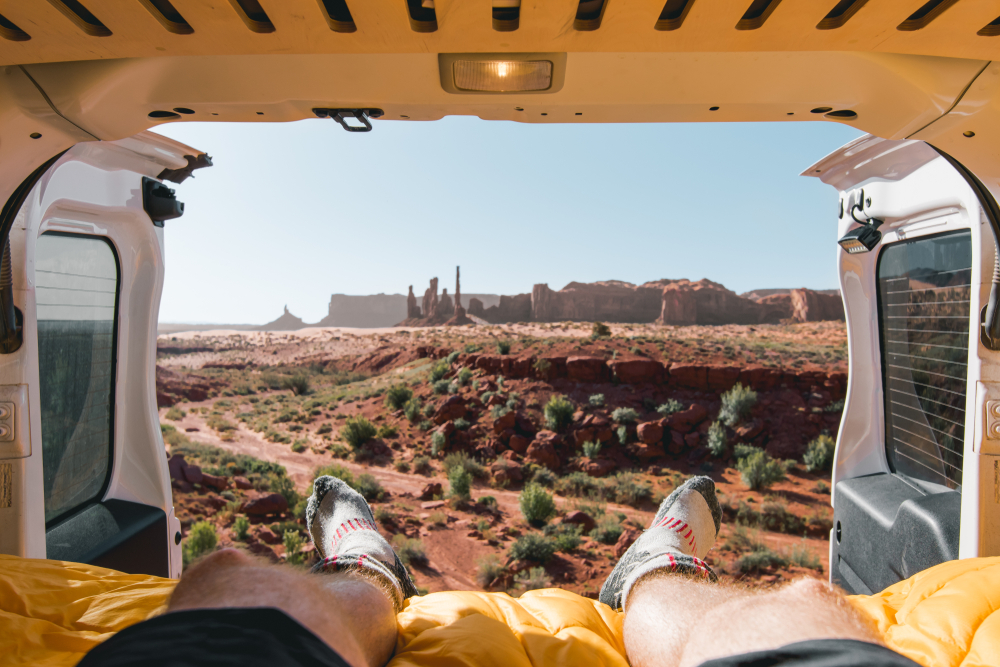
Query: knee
x,y
810,589
223,559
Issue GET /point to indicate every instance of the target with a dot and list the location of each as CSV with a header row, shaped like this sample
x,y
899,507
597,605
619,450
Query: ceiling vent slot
x,y
673,14
168,16
81,17
338,15
9,30
991,29
506,15
923,16
840,14
423,18
589,14
756,14
253,15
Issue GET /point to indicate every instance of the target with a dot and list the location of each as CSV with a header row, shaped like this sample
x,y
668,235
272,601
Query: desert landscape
x,y
513,456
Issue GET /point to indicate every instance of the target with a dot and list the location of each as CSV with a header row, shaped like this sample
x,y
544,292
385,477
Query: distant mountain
x,y
759,294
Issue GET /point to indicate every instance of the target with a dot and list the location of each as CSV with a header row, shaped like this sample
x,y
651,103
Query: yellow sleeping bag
x,y
52,612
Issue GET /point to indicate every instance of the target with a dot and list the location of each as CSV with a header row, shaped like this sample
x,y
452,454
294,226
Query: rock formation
x,y
458,288
430,298
412,309
810,306
608,301
706,302
373,310
445,308
515,308
287,322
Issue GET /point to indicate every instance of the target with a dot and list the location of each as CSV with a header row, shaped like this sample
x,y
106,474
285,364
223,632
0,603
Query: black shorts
x,y
264,637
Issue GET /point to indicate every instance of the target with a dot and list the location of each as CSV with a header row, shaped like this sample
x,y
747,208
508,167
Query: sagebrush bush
x,y
802,556
503,347
736,404
622,433
596,400
464,376
565,535
591,448
717,441
536,505
625,415
452,357
819,454
607,530
409,549
627,488
422,465
356,431
300,445
413,410
534,579
439,370
369,487
241,527
438,442
459,484
488,568
401,466
387,431
759,471
464,461
298,384
201,540
397,396
600,330
441,386
324,428
292,542
543,477
461,423
670,407
558,413
175,414
533,546
741,451
578,484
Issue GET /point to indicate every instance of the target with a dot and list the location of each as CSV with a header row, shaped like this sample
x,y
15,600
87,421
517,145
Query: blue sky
x,y
293,212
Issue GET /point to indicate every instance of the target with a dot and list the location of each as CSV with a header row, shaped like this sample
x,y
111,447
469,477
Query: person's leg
x,y
673,620
351,613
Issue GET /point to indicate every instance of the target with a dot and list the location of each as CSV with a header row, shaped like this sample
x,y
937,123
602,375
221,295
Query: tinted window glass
x,y
76,282
924,288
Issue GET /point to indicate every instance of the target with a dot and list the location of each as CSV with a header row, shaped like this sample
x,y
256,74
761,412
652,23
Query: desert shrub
x,y
835,406
409,549
459,483
819,454
543,477
625,415
220,424
487,501
412,410
760,559
759,471
441,386
438,518
356,431
454,387
439,370
201,539
622,433
542,367
802,556
324,428
736,404
558,413
292,541
383,514
670,407
286,488
503,347
565,535
591,448
422,465
397,396
335,470
600,330
175,414
716,442
596,400
464,376
297,384
608,529
498,411
536,504
533,546
461,423
578,484
401,465
741,451
300,445
425,425
821,487
438,442
369,487
386,431
628,489
470,348
534,579
488,568
465,462
241,527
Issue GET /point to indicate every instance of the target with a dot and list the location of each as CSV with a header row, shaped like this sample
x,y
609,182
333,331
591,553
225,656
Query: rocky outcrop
x,y
412,309
372,310
810,306
685,302
430,302
287,322
445,307
515,308
476,308
608,301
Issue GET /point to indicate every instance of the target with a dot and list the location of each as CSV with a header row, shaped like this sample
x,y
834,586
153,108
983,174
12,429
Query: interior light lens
x,y
503,76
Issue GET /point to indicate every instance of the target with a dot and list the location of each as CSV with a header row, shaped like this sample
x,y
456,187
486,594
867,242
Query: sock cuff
x,y
365,566
670,562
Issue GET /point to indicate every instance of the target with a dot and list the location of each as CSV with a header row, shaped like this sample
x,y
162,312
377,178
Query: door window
x,y
924,310
76,282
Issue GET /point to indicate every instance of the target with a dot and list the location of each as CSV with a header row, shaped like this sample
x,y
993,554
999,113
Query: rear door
x,y
912,454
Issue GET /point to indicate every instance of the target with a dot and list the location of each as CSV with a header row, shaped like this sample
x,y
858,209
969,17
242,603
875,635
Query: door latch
x,y
341,116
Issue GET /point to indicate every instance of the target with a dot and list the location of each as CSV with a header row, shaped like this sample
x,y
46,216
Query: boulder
x,y
176,465
430,490
432,505
810,306
217,482
505,421
625,540
518,443
676,444
749,430
543,453
650,433
690,376
722,378
685,420
636,371
242,482
268,536
506,471
692,440
645,452
586,369
453,408
263,505
581,519
193,474
599,468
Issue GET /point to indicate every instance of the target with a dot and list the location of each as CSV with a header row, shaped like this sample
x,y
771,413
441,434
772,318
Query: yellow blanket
x,y
52,612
